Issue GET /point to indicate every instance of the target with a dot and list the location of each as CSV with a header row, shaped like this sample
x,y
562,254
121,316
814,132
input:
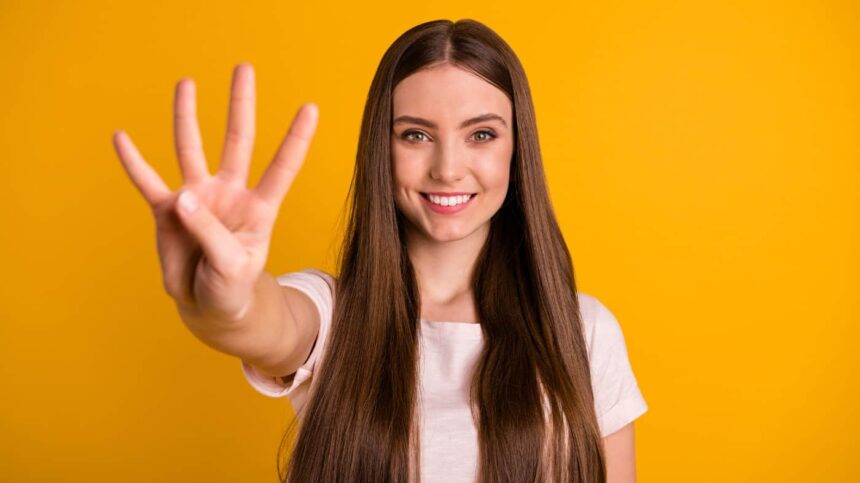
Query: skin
x,y
620,450
443,248
447,157
228,223
232,223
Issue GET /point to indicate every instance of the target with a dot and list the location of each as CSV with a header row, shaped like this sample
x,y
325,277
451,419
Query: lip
x,y
447,210
448,193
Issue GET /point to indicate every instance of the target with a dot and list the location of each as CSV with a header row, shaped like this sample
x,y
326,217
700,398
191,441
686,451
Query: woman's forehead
x,y
448,94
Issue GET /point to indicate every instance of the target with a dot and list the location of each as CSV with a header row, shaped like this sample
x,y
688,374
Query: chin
x,y
450,233
448,237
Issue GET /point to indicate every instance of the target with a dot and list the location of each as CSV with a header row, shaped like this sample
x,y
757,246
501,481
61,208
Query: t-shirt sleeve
x,y
315,284
617,397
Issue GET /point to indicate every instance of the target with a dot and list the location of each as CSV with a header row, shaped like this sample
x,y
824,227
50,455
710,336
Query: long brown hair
x,y
359,424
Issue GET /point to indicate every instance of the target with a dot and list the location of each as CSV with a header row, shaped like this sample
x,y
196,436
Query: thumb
x,y
218,243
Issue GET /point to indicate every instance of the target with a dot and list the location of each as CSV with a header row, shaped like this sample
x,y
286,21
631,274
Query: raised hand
x,y
213,253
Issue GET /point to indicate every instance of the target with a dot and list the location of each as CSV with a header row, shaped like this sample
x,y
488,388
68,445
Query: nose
x,y
448,163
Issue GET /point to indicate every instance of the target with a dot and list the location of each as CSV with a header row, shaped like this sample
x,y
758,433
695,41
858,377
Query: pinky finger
x,y
147,181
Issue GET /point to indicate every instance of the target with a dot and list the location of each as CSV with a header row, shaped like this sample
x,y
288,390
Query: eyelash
x,y
487,131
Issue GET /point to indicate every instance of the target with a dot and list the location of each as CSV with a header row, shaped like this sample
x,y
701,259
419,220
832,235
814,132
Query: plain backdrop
x,y
702,158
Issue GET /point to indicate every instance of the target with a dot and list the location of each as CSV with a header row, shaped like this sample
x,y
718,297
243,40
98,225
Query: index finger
x,y
281,172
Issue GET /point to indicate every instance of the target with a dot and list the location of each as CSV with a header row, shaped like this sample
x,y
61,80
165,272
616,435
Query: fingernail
x,y
188,202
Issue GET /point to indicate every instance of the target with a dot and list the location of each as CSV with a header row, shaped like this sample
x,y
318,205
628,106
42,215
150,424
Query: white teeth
x,y
448,200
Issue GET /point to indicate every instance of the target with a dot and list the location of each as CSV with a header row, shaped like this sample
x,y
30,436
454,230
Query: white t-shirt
x,y
448,354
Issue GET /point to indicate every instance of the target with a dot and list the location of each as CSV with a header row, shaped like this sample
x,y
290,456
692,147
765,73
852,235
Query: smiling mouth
x,y
448,205
427,197
471,195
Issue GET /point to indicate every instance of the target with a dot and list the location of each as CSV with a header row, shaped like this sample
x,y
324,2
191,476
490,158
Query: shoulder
x,y
598,323
329,278
617,397
313,272
316,283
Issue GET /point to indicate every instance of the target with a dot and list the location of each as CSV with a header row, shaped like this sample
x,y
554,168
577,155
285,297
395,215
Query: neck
x,y
443,269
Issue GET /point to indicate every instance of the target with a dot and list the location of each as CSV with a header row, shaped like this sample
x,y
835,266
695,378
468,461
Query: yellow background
x,y
703,159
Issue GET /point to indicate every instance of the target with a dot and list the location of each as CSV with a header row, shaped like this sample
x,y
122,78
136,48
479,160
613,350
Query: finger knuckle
x,y
187,150
238,137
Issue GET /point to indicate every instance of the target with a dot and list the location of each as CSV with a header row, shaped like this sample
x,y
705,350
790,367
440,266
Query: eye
x,y
406,135
484,135
490,135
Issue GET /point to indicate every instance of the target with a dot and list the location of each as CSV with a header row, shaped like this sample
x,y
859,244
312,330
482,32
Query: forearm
x,y
257,337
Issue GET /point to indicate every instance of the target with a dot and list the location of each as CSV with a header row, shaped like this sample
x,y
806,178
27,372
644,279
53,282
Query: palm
x,y
211,260
246,219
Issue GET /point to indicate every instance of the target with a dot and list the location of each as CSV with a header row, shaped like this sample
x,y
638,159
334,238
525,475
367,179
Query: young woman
x,y
459,348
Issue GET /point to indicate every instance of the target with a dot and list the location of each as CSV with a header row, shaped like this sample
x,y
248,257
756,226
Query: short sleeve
x,y
315,284
617,397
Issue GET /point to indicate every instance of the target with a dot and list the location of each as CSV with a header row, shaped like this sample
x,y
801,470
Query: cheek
x,y
495,173
500,190
403,170
407,168
504,173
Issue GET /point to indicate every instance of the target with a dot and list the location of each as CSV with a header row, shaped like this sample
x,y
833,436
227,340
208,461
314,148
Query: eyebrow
x,y
464,124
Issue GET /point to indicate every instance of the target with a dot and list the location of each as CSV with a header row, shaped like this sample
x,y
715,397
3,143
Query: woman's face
x,y
452,139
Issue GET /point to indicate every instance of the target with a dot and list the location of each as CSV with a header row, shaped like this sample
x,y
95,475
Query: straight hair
x,y
360,423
